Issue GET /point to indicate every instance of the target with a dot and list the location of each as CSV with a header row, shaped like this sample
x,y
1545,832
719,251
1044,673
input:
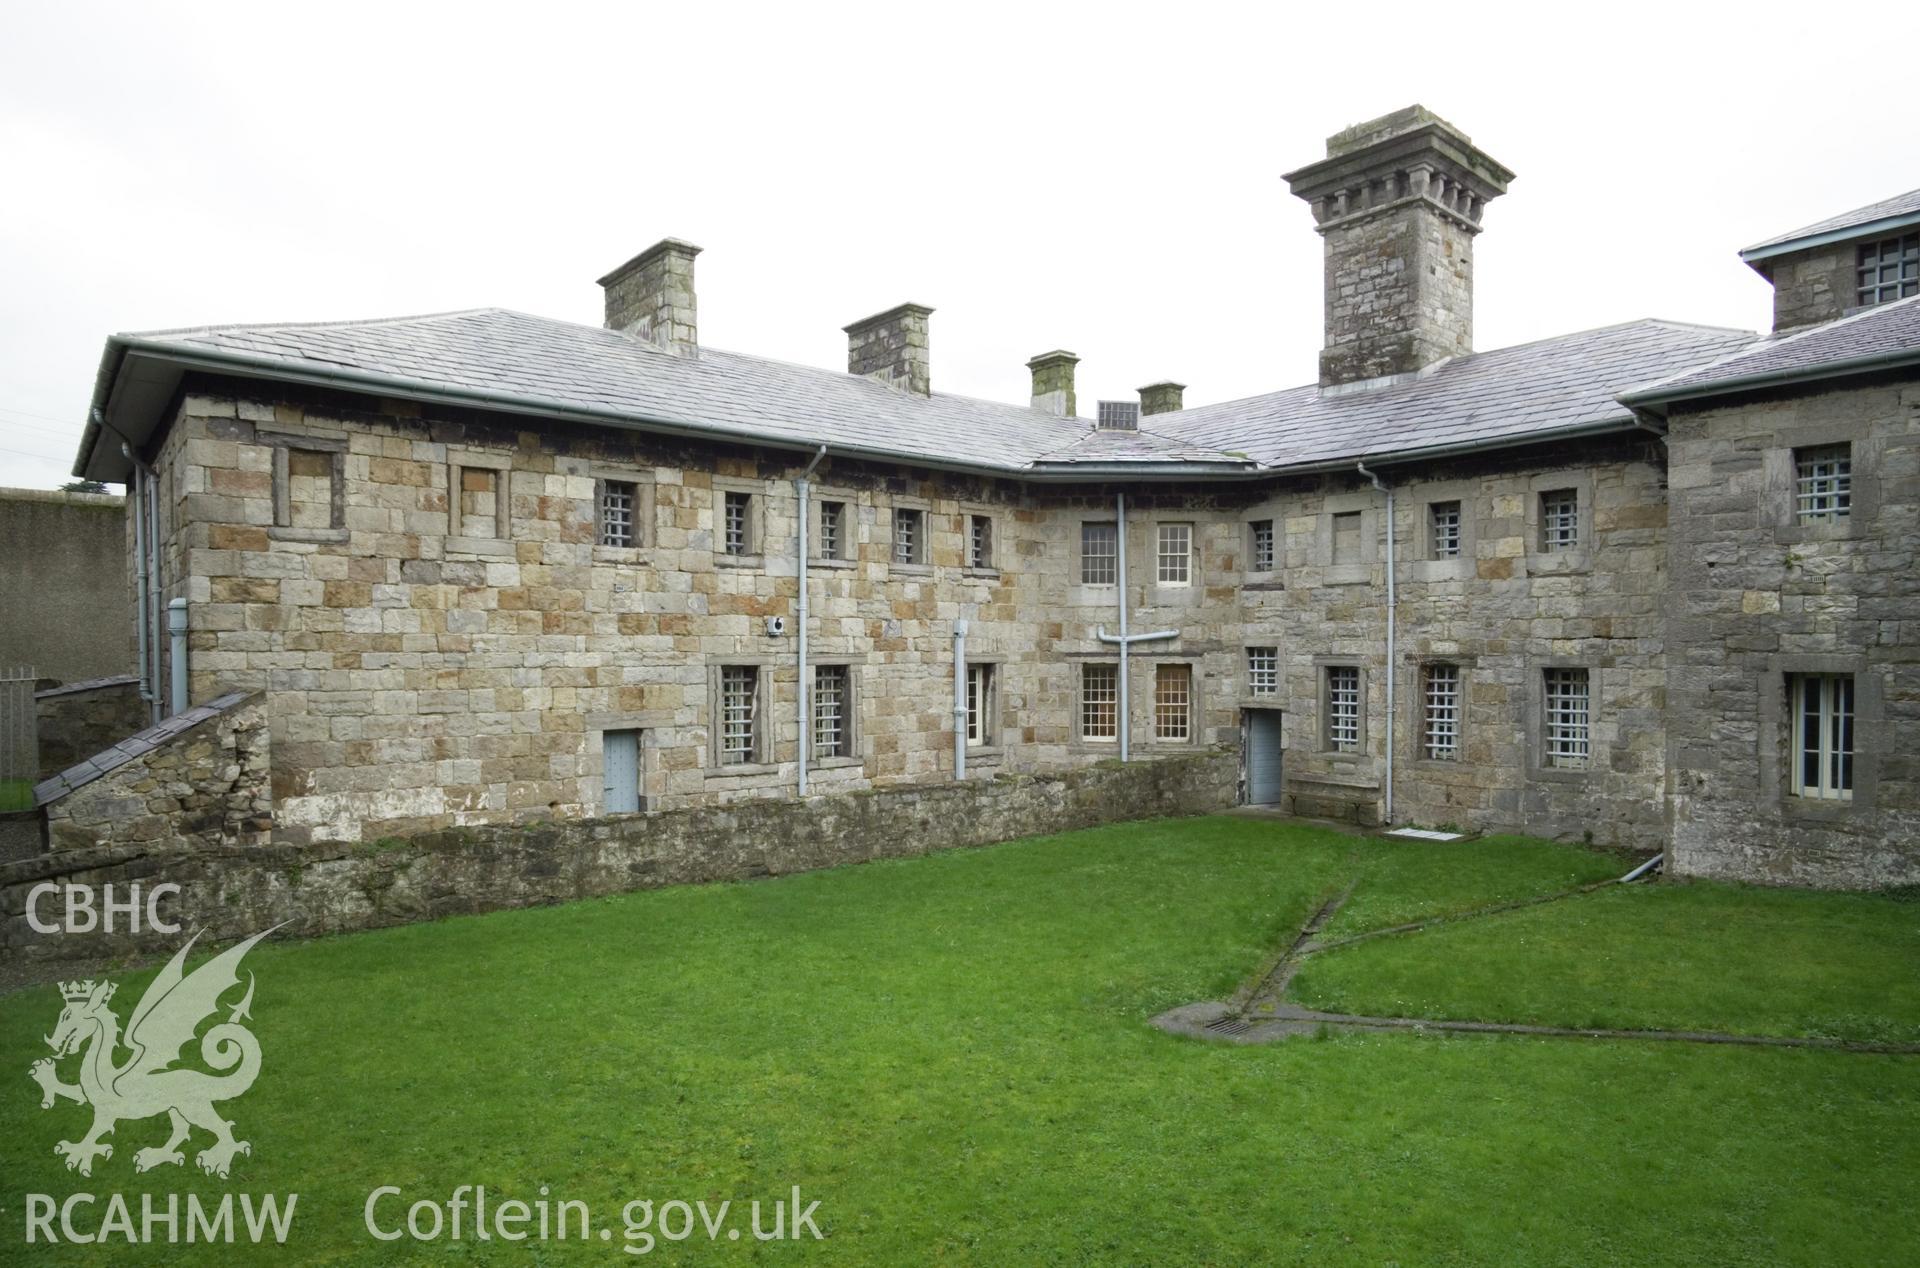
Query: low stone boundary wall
x,y
234,891
79,719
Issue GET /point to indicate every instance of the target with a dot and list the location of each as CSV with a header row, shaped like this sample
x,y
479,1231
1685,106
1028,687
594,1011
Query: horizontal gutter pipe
x,y
1100,632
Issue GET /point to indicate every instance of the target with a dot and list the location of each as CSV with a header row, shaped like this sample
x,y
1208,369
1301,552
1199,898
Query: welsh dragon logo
x,y
160,1027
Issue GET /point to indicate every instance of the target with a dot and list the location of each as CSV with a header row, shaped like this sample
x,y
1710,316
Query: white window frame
x,y
982,712
1105,562
831,729
1173,553
909,529
1263,671
1444,525
1826,703
1261,559
981,542
1559,520
1344,695
1108,696
728,728
1566,732
1440,694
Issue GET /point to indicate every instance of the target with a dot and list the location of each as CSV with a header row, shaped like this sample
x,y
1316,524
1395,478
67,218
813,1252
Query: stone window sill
x,y
910,570
286,533
836,763
633,556
988,751
1798,534
823,562
1273,701
981,574
1561,774
724,560
1822,809
740,769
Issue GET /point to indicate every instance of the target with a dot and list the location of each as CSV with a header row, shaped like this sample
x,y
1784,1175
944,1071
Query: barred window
x,y
1445,520
979,541
1823,735
1343,708
1173,703
1263,671
1569,731
739,713
833,530
737,528
1440,739
1347,543
1260,548
831,735
909,535
1099,554
980,721
617,501
1889,270
1560,519
1176,554
1099,702
1823,483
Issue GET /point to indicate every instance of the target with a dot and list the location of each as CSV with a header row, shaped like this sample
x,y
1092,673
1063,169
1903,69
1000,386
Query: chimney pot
x,y
651,297
892,347
1053,383
1164,397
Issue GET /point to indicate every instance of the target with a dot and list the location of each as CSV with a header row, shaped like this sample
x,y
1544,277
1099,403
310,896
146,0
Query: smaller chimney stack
x,y
892,347
1053,383
651,298
1164,397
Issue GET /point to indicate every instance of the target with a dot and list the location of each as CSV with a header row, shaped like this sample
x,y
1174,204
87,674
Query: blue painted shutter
x,y
621,751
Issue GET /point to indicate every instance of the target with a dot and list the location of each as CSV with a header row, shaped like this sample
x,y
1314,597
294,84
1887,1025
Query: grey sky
x,y
1104,179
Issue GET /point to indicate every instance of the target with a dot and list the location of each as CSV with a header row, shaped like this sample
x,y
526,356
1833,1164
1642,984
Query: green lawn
x,y
951,1055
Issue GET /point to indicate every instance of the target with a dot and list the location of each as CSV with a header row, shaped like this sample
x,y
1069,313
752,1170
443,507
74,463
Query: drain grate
x,y
1229,1025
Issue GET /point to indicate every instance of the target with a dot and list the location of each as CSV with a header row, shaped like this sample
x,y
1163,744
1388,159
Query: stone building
x,y
490,567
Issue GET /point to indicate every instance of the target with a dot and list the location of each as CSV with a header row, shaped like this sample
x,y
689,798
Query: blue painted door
x,y
1263,756
621,751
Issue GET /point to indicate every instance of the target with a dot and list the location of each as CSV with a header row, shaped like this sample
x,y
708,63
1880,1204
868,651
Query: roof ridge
x,y
223,327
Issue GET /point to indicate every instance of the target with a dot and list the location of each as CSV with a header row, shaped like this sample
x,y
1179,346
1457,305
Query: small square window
x,y
909,535
1343,708
1889,270
1444,520
1260,546
1347,542
1569,740
1176,554
979,541
1173,703
1560,520
1823,484
1099,554
1440,736
1099,702
736,528
1263,671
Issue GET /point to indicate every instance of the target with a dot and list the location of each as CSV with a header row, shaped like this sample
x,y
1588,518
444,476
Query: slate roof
x,y
1888,333
1899,205
138,744
538,365
1509,394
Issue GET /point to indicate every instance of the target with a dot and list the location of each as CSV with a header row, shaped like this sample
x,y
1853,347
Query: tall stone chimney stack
x,y
893,348
1398,202
651,297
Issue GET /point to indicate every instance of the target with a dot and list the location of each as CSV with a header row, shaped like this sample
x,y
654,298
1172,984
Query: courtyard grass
x,y
15,794
951,1054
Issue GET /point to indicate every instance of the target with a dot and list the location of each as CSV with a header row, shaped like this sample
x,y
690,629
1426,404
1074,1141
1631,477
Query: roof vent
x,y
1119,416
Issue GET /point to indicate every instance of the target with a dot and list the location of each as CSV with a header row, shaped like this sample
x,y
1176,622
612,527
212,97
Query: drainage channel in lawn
x,y
1261,1013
